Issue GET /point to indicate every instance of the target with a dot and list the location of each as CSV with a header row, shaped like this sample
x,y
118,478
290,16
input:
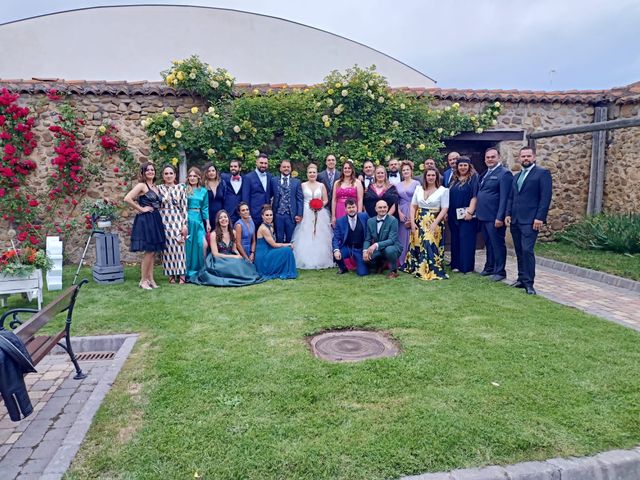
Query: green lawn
x,y
221,381
627,266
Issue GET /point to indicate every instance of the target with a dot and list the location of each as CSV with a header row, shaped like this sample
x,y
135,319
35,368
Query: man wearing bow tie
x,y
287,203
256,188
527,210
233,190
348,238
381,240
393,173
329,176
366,178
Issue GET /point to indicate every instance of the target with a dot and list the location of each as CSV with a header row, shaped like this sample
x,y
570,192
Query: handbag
x,y
461,212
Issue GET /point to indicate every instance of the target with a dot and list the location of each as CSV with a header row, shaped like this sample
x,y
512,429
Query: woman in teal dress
x,y
224,266
273,259
197,213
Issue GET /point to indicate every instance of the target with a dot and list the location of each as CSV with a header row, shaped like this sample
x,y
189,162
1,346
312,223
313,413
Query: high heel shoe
x,y
145,286
153,285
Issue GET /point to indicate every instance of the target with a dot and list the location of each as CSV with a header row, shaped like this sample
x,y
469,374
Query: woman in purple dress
x,y
405,193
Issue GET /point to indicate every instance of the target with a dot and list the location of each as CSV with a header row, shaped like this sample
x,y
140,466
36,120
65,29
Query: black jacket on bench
x,y
15,361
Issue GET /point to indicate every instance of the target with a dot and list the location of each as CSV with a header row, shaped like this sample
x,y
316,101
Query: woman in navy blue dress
x,y
273,259
215,191
463,190
147,234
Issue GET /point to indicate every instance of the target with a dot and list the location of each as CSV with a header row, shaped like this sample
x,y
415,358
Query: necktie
x,y
285,182
521,178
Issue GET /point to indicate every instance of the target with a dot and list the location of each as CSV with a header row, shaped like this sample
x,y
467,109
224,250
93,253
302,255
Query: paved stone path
x,y
612,303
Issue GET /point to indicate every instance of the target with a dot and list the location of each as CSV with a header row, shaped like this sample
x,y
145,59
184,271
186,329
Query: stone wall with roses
x,y
126,106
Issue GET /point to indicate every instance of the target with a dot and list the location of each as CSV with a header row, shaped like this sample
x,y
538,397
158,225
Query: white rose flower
x,y
236,128
344,92
325,118
381,99
497,104
162,133
211,110
143,123
479,130
439,130
175,124
329,101
494,122
402,106
214,84
395,123
447,108
192,76
178,134
371,83
228,82
209,69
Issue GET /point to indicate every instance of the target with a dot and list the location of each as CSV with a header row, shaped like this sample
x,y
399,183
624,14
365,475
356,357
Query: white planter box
x,y
31,286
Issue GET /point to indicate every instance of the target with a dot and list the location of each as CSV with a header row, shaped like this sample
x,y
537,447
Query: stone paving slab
x,y
43,444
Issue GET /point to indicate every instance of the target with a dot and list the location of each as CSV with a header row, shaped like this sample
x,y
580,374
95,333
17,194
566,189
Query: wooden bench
x,y
39,346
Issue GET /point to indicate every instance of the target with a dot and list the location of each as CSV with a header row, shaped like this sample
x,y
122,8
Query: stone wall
x,y
567,157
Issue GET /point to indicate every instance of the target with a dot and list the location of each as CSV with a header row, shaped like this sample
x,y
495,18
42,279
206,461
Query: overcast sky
x,y
523,44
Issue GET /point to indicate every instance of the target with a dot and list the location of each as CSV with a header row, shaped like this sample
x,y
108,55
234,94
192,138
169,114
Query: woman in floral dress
x,y
429,206
173,211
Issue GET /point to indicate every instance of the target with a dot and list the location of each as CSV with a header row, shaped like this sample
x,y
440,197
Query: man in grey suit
x,y
329,176
381,241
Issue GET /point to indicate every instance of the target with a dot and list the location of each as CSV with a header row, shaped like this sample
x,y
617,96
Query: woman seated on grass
x,y
273,259
224,266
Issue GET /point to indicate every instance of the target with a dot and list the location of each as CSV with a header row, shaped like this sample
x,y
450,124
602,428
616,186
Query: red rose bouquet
x,y
316,205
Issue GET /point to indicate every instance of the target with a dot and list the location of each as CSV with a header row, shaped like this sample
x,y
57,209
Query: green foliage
x,y
614,232
352,114
194,75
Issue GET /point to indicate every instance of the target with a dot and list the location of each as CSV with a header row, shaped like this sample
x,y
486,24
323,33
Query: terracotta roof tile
x,y
620,95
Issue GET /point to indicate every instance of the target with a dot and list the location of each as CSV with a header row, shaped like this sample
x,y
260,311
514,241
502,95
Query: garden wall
x,y
567,157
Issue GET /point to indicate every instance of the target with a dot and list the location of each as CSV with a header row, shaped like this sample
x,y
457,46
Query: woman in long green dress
x,y
197,213
224,266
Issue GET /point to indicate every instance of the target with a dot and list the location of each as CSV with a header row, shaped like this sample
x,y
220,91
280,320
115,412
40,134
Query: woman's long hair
x,y
352,179
205,181
218,230
191,188
143,170
424,177
455,178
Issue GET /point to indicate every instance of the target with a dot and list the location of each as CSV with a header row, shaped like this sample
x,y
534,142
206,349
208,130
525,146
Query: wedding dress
x,y
312,237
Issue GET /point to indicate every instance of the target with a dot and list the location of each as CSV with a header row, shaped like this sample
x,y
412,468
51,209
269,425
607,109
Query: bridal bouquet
x,y
316,205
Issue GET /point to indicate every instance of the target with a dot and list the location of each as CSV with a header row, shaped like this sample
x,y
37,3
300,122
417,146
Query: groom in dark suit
x,y
233,190
257,188
527,209
493,194
287,203
348,238
381,240
328,177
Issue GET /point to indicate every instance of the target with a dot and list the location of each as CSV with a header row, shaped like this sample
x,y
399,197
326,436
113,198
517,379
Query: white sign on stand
x,y
54,252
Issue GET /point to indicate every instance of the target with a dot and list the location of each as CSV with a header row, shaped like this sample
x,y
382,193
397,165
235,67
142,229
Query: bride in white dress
x,y
313,250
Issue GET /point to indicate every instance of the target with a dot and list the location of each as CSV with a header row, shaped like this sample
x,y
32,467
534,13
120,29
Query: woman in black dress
x,y
147,234
215,191
380,189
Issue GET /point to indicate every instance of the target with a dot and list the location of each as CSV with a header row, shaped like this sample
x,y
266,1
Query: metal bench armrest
x,y
14,313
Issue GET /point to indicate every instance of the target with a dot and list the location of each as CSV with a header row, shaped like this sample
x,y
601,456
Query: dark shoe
x,y
484,273
393,275
530,291
341,272
517,284
497,278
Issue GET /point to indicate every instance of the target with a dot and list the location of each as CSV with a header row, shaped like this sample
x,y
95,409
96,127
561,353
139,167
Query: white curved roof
x,y
136,42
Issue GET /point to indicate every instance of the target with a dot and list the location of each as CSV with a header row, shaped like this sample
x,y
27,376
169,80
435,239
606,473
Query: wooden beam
x,y
491,136
591,127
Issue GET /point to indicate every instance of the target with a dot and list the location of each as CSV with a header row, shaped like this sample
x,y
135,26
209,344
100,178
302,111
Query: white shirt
x,y
235,184
438,199
263,179
282,177
352,221
379,222
395,180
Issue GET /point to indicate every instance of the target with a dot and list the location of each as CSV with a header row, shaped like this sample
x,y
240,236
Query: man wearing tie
x,y
348,238
233,190
493,194
452,158
287,203
393,173
329,176
381,240
256,188
429,163
366,178
527,210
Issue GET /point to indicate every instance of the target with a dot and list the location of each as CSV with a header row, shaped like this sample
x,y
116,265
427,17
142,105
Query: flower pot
x,y
103,222
31,285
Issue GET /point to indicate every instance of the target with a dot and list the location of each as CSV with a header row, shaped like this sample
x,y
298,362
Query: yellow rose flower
x,y
180,76
174,161
211,152
194,110
165,114
175,83
330,91
479,130
175,124
102,128
170,78
294,173
256,91
338,85
327,124
421,166
178,134
214,84
422,146
162,133
455,106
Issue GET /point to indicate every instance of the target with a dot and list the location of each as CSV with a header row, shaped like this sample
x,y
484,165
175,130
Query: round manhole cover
x,y
352,345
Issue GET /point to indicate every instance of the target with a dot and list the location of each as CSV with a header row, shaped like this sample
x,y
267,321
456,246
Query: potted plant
x,y
21,272
102,212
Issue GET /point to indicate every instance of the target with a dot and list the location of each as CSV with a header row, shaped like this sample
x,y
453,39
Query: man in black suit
x,y
381,240
428,163
447,175
527,210
287,203
329,176
493,194
256,188
233,190
368,169
348,238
